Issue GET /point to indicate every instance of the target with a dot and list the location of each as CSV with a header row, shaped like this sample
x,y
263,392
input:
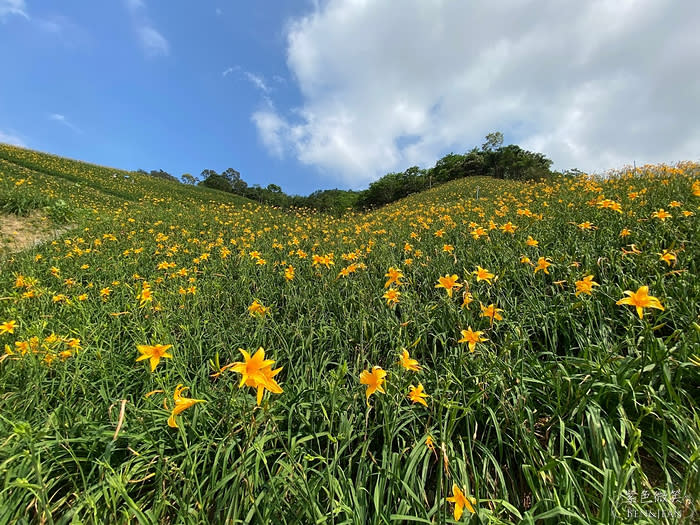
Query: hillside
x,y
92,182
530,345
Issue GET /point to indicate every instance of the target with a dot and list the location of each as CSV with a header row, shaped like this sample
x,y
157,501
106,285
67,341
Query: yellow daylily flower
x,y
408,363
154,353
640,300
585,285
181,403
8,327
257,372
373,380
472,338
461,502
417,394
449,283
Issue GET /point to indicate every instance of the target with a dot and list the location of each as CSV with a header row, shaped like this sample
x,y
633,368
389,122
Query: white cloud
x,y
255,79
258,81
154,44
58,26
271,127
51,25
13,7
152,41
63,29
593,85
12,138
135,5
63,120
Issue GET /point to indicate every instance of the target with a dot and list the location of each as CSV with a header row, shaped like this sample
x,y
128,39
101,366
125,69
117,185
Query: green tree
x,y
493,141
188,179
231,175
216,181
238,185
448,168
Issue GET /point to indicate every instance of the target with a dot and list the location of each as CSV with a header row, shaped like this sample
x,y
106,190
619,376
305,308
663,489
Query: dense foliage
x,y
541,381
493,159
159,174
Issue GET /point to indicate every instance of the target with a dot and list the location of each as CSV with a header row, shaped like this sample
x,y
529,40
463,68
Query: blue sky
x,y
335,93
155,85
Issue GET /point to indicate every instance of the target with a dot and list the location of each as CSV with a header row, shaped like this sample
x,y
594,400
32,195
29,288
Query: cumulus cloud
x,y
10,137
591,84
13,7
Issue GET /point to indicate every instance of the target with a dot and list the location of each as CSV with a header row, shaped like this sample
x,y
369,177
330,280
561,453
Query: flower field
x,y
488,350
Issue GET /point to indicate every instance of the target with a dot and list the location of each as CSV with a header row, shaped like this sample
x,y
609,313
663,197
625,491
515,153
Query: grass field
x,y
549,398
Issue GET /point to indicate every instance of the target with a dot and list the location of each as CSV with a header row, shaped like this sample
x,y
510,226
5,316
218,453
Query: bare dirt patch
x,y
21,233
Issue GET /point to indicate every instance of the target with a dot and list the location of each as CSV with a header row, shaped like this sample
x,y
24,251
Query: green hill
x,y
528,350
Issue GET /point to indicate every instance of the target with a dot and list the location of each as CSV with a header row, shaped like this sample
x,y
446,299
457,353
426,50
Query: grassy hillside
x,y
567,406
45,178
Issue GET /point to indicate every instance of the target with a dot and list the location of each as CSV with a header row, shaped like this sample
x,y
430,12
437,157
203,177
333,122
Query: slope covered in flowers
x,y
485,346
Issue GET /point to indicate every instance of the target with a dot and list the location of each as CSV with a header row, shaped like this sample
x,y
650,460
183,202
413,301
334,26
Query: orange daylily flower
x,y
640,300
662,215
391,296
483,274
417,394
472,338
408,363
181,403
8,327
373,380
449,283
542,264
256,308
492,312
289,273
509,227
394,275
467,299
257,372
461,502
667,256
585,285
154,353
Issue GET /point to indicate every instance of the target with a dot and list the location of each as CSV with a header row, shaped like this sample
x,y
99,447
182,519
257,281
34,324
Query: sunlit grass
x,y
564,411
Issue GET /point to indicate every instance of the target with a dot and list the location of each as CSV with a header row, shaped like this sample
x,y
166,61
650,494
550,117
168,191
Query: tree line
x,y
491,159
